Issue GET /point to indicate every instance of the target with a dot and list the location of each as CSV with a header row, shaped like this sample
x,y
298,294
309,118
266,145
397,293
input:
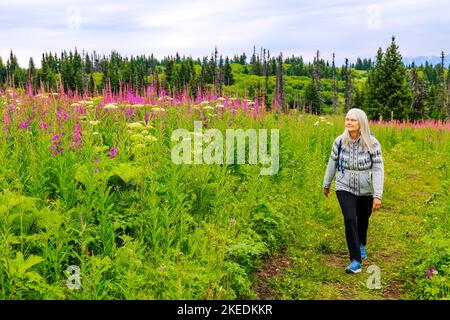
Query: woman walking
x,y
356,155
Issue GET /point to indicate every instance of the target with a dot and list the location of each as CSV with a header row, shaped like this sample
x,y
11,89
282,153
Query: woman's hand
x,y
376,204
326,191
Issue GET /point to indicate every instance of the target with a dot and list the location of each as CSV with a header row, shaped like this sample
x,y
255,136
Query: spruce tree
x,y
243,59
31,68
334,87
67,72
317,73
92,86
448,92
347,86
170,75
279,91
2,72
312,97
441,107
418,104
11,69
388,93
88,66
77,66
373,105
204,74
220,76
211,71
228,75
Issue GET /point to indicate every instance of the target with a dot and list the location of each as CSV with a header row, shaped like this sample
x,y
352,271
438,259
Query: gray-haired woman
x,y
356,155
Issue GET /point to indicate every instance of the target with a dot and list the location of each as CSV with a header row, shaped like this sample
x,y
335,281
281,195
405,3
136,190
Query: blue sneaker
x,y
362,248
353,267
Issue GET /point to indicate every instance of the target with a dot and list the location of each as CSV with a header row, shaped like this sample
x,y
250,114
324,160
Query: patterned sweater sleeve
x,y
331,167
377,170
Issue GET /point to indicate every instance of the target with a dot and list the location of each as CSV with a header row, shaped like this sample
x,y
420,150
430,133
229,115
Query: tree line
x,y
391,90
388,90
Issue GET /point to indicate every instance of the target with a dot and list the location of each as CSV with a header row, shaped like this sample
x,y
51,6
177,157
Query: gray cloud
x,y
195,27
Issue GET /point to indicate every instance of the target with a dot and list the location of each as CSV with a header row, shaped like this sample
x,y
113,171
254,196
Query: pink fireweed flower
x,y
432,270
7,118
205,122
76,136
55,150
254,114
59,112
96,159
129,112
245,107
56,143
58,150
112,153
43,125
24,124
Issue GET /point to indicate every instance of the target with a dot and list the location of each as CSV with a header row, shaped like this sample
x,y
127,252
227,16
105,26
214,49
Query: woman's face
x,y
352,124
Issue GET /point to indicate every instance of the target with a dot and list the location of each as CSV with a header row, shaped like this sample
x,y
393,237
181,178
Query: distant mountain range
x,y
422,59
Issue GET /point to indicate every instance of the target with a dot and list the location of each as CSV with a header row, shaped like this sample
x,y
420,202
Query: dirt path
x,y
274,268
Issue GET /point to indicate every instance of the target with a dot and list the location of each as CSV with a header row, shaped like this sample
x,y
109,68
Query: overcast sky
x,y
348,28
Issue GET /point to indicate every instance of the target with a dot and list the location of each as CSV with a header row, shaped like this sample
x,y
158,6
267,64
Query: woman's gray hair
x,y
366,134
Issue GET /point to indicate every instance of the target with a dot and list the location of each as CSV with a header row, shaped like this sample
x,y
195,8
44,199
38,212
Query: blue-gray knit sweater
x,y
359,172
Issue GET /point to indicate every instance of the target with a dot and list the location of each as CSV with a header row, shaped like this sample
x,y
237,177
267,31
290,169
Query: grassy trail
x,y
394,236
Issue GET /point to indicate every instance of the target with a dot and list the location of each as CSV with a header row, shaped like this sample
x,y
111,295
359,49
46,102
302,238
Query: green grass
x,y
411,226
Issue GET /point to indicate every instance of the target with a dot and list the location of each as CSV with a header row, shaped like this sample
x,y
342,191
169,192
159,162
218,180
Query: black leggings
x,y
356,211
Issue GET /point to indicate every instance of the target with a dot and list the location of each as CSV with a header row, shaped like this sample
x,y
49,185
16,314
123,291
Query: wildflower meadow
x,y
92,206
